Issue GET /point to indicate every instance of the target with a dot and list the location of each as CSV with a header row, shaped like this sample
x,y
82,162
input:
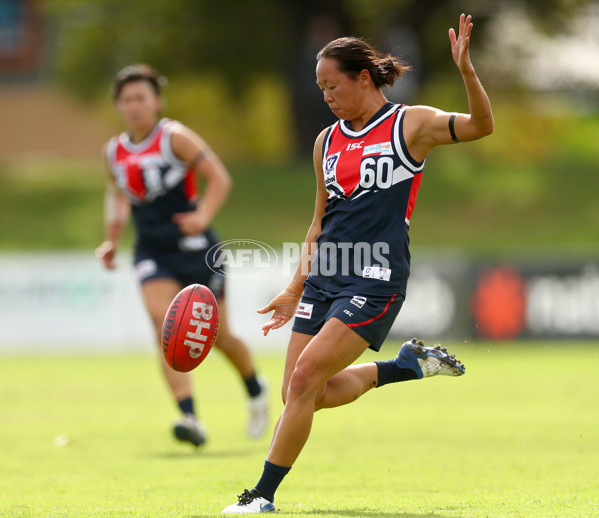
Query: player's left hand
x,y
284,306
191,223
460,45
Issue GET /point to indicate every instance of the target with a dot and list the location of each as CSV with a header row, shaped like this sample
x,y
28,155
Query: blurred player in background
x,y
153,173
368,171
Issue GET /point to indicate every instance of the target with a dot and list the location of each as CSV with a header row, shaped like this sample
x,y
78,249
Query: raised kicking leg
x,y
315,377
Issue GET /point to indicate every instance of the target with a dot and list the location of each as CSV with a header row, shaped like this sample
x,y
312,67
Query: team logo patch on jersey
x,y
304,310
330,176
330,168
358,301
376,272
382,148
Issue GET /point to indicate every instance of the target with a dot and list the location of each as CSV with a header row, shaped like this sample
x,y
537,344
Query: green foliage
x,y
553,15
532,182
235,39
510,438
97,38
252,126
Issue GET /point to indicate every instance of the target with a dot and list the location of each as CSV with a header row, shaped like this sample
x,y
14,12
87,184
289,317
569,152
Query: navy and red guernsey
x,y
372,182
156,183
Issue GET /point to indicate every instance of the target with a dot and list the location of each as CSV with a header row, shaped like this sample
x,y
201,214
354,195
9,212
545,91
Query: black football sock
x,y
252,385
186,406
271,477
390,372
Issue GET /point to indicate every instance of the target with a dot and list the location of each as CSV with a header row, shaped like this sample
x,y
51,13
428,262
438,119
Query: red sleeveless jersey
x,y
372,182
149,169
156,182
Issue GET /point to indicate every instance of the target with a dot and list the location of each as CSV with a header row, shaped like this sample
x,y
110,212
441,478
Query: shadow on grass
x,y
365,513
200,452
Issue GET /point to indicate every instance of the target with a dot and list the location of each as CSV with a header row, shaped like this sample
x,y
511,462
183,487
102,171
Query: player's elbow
x,y
489,127
225,182
485,126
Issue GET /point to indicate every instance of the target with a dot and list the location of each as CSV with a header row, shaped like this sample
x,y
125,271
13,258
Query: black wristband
x,y
452,129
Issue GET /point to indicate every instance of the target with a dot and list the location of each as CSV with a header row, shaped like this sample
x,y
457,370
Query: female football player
x,y
153,170
368,171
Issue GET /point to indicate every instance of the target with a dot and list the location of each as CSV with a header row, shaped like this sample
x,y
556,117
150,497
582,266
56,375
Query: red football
x,y
190,327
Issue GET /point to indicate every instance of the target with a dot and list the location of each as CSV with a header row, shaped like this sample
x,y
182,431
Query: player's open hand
x,y
191,223
460,45
106,253
284,306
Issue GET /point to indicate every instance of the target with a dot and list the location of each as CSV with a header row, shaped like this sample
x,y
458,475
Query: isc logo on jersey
x,y
201,313
354,145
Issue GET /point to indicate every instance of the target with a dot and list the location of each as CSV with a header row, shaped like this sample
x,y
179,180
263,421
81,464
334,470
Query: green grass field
x,y
517,436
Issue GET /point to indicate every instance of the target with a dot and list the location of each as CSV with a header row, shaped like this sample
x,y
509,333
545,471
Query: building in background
x,y
22,39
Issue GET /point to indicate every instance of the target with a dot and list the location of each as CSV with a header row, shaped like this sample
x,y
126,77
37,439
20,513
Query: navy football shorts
x,y
369,316
187,267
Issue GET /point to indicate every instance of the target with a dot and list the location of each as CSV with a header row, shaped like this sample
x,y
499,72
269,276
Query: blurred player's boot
x,y
189,429
258,410
428,361
250,502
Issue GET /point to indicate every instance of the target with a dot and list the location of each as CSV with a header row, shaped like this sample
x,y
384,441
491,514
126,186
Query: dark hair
x,y
139,72
354,55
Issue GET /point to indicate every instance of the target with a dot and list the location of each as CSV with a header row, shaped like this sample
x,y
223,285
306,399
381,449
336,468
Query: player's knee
x,y
304,382
298,384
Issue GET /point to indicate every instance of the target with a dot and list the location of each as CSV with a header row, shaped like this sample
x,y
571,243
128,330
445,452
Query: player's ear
x,y
364,78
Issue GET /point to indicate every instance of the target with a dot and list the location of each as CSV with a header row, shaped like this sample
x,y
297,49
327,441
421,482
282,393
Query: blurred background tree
x,y
220,57
242,74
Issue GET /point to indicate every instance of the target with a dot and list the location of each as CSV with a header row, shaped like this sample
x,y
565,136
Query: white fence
x,y
67,301
60,302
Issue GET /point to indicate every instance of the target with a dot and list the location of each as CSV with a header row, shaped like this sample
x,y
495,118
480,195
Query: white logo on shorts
x,y
193,243
146,268
304,310
358,301
376,272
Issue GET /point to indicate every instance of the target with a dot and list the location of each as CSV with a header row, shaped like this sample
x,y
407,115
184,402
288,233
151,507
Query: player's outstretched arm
x,y
479,122
428,127
285,303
